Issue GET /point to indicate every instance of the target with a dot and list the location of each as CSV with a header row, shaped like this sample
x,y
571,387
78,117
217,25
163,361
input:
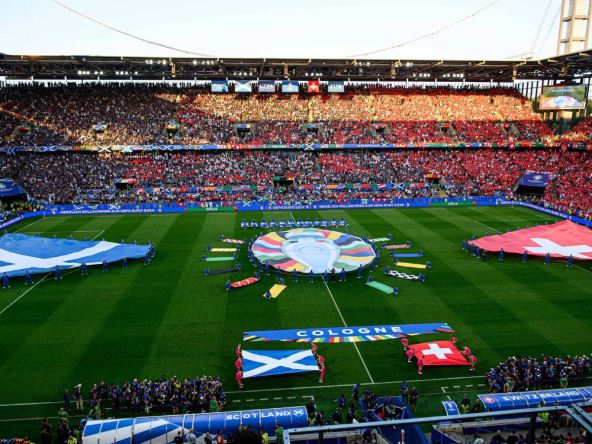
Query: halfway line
x,y
345,324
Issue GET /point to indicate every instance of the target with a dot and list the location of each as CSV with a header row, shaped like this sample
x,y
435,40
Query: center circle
x,y
312,250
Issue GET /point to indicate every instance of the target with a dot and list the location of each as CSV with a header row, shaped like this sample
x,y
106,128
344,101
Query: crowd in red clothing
x,y
180,177
136,114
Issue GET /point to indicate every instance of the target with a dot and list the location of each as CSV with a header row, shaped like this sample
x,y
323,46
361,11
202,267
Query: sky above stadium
x,y
266,28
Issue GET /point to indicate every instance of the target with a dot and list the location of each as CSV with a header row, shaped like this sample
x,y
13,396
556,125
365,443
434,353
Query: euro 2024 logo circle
x,y
306,249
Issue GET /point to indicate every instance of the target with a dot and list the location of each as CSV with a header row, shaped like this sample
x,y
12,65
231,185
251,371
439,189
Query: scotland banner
x,y
163,429
346,334
257,363
21,252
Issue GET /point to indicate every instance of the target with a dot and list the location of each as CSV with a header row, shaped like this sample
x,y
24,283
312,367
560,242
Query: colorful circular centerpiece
x,y
306,249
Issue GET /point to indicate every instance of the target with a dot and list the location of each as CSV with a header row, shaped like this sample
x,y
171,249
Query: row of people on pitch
x,y
410,354
501,255
535,373
57,270
191,395
291,223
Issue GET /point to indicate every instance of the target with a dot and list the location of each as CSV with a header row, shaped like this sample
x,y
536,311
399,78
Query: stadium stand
x,y
138,114
172,177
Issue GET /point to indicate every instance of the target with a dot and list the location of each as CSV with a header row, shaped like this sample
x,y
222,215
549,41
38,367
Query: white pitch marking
x,y
345,324
311,387
32,223
488,226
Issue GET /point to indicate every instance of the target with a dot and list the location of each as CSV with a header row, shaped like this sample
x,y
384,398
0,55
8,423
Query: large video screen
x,y
563,97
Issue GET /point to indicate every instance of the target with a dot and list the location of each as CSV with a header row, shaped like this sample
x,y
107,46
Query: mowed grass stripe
x,y
301,305
542,290
23,319
39,327
196,311
121,343
510,326
427,302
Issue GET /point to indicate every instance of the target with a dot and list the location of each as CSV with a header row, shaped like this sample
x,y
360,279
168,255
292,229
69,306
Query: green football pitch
x,y
167,318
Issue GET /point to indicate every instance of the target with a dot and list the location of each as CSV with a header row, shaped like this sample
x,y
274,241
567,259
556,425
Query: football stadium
x,y
392,247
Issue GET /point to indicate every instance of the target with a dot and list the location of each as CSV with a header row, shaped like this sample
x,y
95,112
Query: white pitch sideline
x,y
287,389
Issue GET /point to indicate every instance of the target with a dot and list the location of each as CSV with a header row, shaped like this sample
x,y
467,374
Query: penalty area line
x,y
487,226
287,389
345,324
32,223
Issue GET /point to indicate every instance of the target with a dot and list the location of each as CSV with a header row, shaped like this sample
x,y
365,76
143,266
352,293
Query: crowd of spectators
x,y
137,114
88,178
162,114
537,373
545,437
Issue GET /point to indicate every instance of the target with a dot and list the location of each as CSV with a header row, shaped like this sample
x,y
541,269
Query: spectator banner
x,y
438,353
243,86
266,86
559,240
290,87
534,179
524,400
20,253
346,334
313,86
336,86
257,363
163,429
219,86
10,188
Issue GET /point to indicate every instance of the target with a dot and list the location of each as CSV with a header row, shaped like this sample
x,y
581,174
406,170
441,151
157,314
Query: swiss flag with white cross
x,y
439,353
560,240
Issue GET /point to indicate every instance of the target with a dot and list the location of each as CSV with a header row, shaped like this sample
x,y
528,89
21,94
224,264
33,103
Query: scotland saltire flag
x,y
21,252
258,363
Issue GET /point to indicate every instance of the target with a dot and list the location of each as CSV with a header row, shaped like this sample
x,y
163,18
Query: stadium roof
x,y
141,68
